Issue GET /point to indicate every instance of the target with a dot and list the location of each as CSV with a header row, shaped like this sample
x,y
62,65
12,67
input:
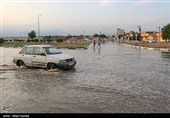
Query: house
x,y
130,35
120,32
145,36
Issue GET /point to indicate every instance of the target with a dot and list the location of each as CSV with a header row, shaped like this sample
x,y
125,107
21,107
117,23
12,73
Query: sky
x,y
79,17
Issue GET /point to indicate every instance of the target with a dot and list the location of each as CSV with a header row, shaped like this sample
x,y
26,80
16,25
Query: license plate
x,y
70,64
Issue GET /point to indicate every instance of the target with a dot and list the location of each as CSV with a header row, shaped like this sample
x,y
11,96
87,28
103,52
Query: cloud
x,y
143,3
147,2
105,3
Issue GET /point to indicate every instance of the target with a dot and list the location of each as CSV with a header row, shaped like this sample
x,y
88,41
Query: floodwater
x,y
115,78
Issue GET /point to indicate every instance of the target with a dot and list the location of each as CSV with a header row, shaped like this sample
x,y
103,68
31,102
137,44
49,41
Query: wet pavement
x,y
115,78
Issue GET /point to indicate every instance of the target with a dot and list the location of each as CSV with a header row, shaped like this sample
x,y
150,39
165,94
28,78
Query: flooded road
x,y
113,79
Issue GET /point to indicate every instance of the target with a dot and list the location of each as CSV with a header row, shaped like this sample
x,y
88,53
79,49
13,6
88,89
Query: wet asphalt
x,y
115,78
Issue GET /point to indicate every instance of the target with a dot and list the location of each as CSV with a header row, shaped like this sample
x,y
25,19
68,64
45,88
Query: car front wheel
x,y
20,63
51,66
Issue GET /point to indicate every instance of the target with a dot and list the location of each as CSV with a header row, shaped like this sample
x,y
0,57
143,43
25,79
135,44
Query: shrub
x,y
59,40
48,40
35,40
1,40
28,40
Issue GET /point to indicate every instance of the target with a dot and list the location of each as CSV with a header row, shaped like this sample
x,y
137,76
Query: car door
x,y
38,57
26,56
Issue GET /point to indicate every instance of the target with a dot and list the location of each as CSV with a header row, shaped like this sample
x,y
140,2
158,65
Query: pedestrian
x,y
94,43
98,43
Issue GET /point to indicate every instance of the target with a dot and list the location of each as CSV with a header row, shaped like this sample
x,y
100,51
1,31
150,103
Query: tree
x,y
59,40
166,32
103,35
95,35
49,36
32,34
1,40
69,36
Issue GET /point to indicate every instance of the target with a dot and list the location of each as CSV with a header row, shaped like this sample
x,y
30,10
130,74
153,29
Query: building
x,y
145,36
130,35
120,32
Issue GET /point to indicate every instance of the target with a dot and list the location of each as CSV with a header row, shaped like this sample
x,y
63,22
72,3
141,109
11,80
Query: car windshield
x,y
51,50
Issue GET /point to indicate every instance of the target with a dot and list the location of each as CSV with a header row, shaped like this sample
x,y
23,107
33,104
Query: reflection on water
x,y
165,55
7,54
97,49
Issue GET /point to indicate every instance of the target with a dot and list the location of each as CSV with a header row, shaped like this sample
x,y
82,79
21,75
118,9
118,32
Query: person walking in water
x,y
94,43
98,43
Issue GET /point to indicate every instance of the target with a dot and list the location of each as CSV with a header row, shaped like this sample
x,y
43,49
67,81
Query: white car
x,y
152,41
44,56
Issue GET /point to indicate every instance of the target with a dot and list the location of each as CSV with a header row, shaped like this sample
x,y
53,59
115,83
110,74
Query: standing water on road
x,y
114,78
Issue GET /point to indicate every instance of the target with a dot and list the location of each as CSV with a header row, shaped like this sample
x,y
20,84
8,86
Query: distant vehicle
x,y
151,41
44,56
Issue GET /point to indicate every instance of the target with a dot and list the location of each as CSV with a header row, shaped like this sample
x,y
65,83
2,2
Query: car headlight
x,y
62,61
73,59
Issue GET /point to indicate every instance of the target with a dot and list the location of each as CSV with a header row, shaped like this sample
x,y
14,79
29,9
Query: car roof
x,y
38,46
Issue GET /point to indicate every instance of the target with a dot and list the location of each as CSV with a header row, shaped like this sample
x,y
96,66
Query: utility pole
x,y
39,27
159,33
139,27
84,33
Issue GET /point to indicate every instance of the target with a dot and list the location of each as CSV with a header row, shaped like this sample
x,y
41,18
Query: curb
x,y
148,48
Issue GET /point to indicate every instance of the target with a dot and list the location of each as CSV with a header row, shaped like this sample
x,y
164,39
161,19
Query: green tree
x,y
1,40
95,35
49,36
69,36
59,40
103,35
166,32
32,34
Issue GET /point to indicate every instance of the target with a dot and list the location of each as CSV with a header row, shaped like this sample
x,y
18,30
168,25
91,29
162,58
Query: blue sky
x,y
18,17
